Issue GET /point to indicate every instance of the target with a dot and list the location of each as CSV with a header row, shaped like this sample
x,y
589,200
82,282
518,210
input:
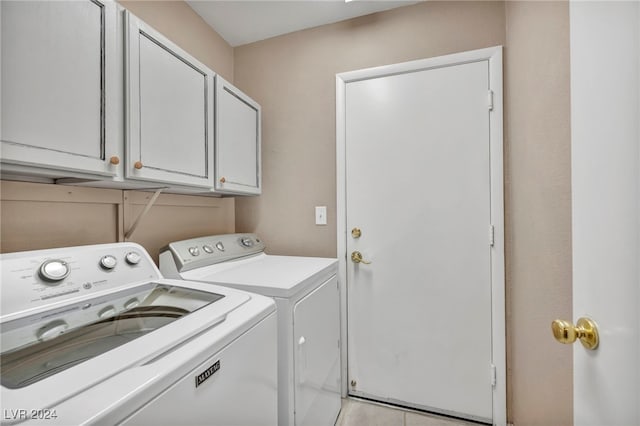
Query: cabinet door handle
x,y
138,165
115,160
223,179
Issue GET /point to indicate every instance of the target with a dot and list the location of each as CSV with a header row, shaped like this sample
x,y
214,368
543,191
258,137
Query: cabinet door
x,y
61,85
169,111
316,330
238,122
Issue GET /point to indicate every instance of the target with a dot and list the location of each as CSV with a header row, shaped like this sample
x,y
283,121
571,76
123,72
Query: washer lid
x,y
40,369
275,276
38,346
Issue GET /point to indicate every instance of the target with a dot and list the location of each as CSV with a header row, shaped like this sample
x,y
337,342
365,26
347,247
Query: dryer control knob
x,y
247,242
108,262
207,248
194,251
220,246
54,270
132,258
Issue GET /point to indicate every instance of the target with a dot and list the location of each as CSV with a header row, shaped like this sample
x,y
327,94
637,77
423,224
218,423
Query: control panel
x,y
204,251
39,278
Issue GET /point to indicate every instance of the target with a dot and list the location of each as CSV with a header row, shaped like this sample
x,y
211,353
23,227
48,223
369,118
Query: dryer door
x,y
316,332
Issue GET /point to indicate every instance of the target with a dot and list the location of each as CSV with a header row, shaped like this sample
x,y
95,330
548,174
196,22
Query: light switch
x,y
321,215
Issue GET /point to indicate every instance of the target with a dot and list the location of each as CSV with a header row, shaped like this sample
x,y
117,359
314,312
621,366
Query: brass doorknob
x,y
223,179
115,160
356,233
586,330
137,165
356,257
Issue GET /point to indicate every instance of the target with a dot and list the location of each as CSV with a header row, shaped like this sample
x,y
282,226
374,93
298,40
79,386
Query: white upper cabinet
x,y
238,139
61,86
169,110
90,92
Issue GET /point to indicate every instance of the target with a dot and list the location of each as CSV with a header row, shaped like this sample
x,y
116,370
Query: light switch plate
x,y
321,215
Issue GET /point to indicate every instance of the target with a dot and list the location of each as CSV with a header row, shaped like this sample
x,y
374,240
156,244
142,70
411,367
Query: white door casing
x,y
388,187
605,141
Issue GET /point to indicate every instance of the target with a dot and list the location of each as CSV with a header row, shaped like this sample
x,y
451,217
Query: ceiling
x,y
245,21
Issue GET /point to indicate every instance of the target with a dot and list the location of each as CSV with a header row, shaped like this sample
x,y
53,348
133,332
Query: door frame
x,y
498,327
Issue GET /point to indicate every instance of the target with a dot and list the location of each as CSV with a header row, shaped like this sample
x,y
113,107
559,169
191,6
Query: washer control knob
x,y
131,303
246,241
220,246
54,270
108,262
52,330
207,248
194,251
107,312
132,258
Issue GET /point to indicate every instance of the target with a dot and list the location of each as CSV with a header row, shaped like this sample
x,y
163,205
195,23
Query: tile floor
x,y
362,413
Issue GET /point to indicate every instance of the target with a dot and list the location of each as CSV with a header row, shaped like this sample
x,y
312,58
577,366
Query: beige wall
x,y
38,216
293,78
538,210
179,23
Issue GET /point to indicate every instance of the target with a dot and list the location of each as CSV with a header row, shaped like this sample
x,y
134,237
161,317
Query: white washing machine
x,y
307,297
94,334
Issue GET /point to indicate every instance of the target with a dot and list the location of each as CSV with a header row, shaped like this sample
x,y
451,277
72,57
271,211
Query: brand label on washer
x,y
200,378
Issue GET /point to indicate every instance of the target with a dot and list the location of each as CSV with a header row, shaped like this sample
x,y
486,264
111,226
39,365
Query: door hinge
x,y
492,235
493,376
490,100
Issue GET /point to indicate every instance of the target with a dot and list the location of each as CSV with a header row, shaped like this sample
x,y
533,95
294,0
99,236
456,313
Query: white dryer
x,y
94,334
307,297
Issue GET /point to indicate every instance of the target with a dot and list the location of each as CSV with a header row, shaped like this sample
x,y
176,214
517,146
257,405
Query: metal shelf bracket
x,y
146,209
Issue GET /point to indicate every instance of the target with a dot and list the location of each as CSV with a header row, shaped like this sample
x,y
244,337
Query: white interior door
x,y
418,185
605,117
